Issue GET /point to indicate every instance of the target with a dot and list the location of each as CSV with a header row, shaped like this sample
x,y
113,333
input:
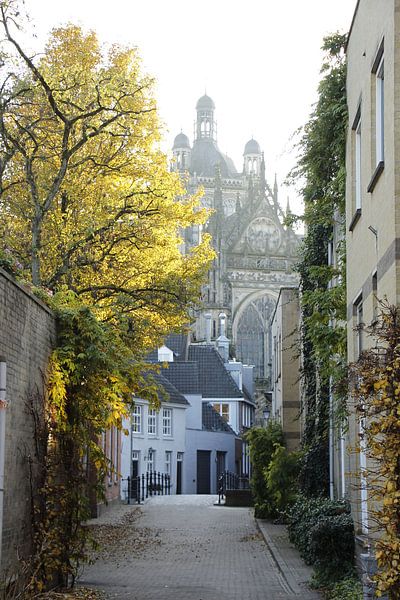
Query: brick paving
x,y
204,552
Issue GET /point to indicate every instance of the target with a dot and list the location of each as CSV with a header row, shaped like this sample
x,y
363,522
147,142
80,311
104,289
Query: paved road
x,y
192,550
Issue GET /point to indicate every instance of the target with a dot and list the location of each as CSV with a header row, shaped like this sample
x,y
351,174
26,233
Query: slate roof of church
x,y
206,156
214,379
212,421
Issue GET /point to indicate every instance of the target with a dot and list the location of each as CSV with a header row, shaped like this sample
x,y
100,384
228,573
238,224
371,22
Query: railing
x,y
231,481
150,484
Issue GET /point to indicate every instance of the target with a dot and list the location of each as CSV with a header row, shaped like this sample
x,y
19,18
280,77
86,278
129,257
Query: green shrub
x,y
323,532
281,477
262,442
347,589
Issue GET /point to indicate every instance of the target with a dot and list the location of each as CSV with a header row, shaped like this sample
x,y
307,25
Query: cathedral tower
x,y
205,124
252,158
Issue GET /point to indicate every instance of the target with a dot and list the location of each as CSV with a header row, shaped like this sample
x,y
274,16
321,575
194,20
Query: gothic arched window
x,y
253,335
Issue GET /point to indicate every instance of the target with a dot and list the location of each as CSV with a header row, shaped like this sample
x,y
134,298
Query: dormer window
x,y
165,354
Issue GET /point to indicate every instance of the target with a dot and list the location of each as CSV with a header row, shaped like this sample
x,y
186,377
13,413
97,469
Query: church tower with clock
x,y
255,251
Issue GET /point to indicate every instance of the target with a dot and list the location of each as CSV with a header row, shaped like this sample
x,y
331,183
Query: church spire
x,y
263,183
275,190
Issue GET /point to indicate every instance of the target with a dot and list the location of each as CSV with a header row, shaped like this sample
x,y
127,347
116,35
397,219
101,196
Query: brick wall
x,y
27,333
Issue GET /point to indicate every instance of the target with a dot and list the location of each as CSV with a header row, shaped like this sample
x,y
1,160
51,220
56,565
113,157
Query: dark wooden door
x,y
179,474
203,471
135,474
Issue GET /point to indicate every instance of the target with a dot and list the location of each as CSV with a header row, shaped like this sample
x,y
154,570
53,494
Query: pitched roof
x,y
173,394
212,420
184,376
214,379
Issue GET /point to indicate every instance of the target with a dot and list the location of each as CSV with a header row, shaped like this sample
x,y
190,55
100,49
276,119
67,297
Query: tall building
x,y
255,250
372,206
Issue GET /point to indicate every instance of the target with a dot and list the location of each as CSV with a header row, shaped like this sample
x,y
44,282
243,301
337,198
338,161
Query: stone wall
x,y
27,334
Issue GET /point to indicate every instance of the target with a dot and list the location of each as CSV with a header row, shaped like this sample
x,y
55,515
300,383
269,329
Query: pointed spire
x,y
288,211
275,189
263,183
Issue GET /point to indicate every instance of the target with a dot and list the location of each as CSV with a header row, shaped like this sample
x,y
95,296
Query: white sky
x,y
259,60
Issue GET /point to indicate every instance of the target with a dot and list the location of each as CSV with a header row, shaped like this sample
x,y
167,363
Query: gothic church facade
x,y
255,252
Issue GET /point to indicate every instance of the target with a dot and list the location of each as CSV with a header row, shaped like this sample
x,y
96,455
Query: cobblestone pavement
x,y
196,551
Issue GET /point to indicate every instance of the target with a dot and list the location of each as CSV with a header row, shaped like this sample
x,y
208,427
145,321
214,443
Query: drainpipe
x,y
3,405
331,444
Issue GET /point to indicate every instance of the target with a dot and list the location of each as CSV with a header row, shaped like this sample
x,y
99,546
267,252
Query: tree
x,y
86,197
321,172
92,214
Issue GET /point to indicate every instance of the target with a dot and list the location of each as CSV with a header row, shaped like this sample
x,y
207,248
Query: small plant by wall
x,y
323,532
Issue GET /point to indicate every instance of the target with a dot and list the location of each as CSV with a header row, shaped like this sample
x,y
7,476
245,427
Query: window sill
x,y
377,173
355,219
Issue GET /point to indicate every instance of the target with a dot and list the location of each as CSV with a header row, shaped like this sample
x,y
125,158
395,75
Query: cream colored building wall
x,y
373,237
286,366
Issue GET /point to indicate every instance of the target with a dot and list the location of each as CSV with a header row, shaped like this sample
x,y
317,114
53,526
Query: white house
x,y
156,440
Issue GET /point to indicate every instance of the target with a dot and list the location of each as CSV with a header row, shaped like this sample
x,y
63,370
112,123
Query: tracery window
x,y
253,335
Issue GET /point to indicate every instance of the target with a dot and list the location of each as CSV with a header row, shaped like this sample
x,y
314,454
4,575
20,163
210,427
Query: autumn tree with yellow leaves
x,y
375,380
93,217
86,197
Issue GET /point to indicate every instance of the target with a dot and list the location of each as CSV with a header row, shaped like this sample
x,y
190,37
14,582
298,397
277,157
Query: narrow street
x,y
185,548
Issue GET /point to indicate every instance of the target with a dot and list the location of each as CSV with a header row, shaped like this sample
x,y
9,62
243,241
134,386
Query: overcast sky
x,y
258,59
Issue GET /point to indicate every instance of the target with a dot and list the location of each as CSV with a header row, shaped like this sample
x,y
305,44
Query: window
x,y
359,324
167,421
152,422
137,419
168,462
357,173
374,297
151,460
380,121
223,409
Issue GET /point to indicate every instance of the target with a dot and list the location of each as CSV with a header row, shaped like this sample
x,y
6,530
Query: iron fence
x,y
153,483
231,481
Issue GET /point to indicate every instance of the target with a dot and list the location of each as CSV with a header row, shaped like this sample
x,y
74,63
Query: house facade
x,y
372,200
285,359
155,441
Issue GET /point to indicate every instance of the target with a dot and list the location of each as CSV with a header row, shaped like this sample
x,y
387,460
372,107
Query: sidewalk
x,y
287,559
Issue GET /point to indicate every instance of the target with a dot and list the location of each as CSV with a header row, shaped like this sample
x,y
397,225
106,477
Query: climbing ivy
x,y
320,170
90,383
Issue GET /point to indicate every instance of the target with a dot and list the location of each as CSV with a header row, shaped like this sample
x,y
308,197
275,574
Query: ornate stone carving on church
x,y
255,251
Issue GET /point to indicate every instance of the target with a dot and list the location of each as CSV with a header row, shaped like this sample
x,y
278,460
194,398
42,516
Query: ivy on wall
x,y
320,170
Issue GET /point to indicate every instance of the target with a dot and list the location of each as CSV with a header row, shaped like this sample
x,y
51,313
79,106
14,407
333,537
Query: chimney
x,y
207,317
222,341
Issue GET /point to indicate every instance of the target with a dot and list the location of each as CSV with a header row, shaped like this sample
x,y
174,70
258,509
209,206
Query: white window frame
x,y
358,311
137,413
380,111
225,414
152,421
167,422
168,462
151,460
